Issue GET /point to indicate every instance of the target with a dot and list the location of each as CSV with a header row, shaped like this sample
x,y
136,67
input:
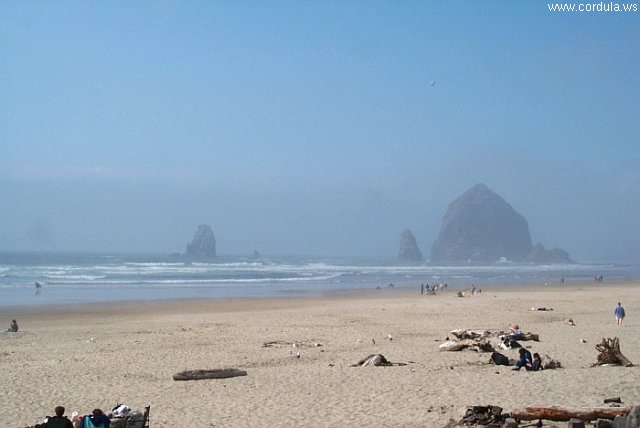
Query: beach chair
x,y
137,422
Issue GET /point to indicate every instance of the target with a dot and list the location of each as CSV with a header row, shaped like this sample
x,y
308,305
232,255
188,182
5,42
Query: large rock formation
x,y
203,244
481,227
409,251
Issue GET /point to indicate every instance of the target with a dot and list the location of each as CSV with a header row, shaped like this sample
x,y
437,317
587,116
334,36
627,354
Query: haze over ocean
x,y
312,128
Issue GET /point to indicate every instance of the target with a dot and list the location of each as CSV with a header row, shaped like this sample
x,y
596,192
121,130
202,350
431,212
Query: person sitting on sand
x,y
498,359
515,332
537,362
525,360
57,421
13,327
97,419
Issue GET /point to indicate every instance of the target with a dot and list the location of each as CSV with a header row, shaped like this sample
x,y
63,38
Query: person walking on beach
x,y
619,313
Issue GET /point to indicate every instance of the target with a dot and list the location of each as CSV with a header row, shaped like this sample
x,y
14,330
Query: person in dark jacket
x,y
57,421
537,362
525,360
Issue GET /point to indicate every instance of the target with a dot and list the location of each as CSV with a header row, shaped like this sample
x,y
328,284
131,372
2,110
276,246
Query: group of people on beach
x,y
97,419
527,361
432,288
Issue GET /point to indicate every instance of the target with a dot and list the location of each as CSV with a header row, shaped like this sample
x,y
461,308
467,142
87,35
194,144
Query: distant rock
x,y
539,255
481,227
409,251
203,243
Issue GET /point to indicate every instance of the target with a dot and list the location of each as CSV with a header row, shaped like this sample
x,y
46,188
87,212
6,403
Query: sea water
x,y
93,278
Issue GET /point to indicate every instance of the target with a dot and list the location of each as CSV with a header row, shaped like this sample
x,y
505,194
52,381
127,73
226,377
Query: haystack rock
x,y
409,251
481,227
203,243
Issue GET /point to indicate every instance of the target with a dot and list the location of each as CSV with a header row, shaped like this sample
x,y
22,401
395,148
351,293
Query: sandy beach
x,y
97,356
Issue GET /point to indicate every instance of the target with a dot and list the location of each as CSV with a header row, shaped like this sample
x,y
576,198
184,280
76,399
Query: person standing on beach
x,y
619,313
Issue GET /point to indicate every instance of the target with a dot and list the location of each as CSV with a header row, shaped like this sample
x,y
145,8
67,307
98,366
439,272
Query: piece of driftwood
x,y
470,334
473,344
208,374
522,336
560,414
550,363
609,353
376,360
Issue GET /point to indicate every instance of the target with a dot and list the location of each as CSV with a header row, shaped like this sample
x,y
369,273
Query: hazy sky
x,y
310,127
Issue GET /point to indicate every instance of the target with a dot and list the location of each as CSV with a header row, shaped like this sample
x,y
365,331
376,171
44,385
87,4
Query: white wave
x,y
153,264
75,277
196,281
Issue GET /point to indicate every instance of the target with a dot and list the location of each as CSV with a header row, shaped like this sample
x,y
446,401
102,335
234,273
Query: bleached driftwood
x,y
462,334
559,414
609,353
475,345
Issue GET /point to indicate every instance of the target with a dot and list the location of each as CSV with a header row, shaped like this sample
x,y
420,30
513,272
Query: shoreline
x,y
88,356
356,293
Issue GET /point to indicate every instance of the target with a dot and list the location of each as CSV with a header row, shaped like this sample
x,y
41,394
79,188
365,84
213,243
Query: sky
x,y
312,127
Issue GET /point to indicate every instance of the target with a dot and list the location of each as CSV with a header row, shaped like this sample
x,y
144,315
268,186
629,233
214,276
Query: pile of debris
x,y
486,416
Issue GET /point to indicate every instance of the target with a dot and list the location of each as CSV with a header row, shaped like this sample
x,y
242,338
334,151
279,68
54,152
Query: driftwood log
x,y
376,360
473,344
462,334
559,414
208,374
550,363
609,353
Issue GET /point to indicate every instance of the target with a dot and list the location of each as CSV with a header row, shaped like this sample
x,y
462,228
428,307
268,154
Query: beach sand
x,y
99,355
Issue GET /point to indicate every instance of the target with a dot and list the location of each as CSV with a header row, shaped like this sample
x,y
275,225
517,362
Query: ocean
x,y
73,278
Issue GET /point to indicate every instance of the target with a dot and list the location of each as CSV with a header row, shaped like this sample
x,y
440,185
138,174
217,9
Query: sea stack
x,y
481,227
203,244
409,251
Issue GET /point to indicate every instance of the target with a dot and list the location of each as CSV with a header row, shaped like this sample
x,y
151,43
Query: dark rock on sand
x,y
203,243
409,251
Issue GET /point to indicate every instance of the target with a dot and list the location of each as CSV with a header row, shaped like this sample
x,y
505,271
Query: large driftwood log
x,y
208,374
476,345
564,414
461,333
609,353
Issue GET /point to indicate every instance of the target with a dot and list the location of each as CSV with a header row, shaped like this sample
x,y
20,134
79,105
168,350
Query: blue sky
x,y
301,127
